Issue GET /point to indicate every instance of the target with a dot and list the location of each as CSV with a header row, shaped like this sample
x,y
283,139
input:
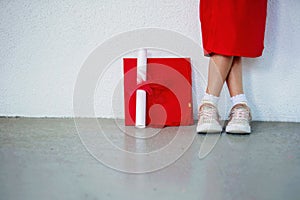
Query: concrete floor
x,y
45,159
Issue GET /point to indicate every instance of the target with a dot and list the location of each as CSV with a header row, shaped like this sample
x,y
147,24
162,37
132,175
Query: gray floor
x,y
45,159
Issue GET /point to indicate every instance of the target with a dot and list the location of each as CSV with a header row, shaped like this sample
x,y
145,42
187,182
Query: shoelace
x,y
208,113
240,114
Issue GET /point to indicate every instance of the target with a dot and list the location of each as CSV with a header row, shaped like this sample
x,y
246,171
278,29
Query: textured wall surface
x,y
44,43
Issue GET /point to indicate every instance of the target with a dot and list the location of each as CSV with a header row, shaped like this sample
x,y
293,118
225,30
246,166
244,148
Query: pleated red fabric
x,y
233,27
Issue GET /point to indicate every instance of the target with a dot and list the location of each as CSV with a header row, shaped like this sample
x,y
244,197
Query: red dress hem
x,y
233,28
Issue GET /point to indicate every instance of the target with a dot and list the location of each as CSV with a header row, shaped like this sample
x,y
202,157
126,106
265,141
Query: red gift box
x,y
169,91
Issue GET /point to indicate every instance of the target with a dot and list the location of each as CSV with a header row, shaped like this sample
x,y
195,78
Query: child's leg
x,y
234,82
234,79
219,67
240,116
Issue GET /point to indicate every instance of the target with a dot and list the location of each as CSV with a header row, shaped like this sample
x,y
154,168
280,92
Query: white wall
x,y
44,43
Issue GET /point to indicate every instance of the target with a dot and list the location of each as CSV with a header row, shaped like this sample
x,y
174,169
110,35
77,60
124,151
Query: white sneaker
x,y
239,119
208,119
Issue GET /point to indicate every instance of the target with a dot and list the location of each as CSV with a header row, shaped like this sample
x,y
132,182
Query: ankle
x,y
209,98
239,99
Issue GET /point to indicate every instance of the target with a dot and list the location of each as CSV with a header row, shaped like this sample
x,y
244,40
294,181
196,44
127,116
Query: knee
x,y
222,58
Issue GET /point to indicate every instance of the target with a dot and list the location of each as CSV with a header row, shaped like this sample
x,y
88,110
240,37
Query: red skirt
x,y
233,27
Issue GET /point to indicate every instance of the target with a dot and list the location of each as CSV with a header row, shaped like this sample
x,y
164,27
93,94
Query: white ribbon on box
x,y
140,109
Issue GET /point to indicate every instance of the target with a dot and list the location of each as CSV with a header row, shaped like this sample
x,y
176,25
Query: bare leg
x,y
219,67
240,114
209,120
234,79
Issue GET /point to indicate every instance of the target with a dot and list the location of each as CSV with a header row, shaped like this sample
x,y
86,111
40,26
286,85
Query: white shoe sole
x,y
238,129
209,128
